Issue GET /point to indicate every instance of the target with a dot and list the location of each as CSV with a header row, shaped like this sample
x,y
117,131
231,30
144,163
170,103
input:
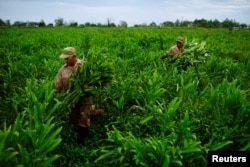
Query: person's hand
x,y
93,107
98,111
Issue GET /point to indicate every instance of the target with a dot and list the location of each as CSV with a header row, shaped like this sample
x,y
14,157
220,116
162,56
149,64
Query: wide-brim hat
x,y
68,52
180,39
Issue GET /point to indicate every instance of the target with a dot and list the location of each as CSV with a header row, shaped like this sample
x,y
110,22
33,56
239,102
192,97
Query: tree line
x,y
60,22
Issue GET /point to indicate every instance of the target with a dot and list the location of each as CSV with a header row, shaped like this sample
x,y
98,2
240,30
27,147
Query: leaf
x,y
145,120
190,150
178,162
220,145
246,147
166,161
107,155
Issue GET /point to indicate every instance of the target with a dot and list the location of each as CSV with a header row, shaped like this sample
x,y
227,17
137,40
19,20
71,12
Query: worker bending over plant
x,y
176,49
83,107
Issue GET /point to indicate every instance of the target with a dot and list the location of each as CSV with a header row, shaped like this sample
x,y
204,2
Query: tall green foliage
x,y
158,113
34,134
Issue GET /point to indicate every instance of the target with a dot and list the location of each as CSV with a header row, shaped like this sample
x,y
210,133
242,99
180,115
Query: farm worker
x,y
72,63
80,115
176,48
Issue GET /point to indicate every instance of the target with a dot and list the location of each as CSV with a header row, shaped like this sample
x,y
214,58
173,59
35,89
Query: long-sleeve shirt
x,y
174,50
63,76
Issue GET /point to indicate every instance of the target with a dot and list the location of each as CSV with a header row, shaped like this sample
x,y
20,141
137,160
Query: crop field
x,y
158,112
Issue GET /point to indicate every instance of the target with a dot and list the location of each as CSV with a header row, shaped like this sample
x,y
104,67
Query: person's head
x,y
69,56
180,42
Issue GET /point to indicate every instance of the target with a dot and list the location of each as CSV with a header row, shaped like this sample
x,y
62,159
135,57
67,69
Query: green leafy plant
x,y
94,74
173,111
34,134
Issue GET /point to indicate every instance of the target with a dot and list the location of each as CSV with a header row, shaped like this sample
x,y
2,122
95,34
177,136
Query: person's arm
x,y
97,111
171,51
58,82
164,55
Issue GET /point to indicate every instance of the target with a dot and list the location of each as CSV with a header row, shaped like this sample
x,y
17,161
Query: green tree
x,y
200,23
41,24
229,23
59,22
19,24
167,24
185,23
2,23
7,23
50,25
32,24
73,24
216,23
177,23
110,23
243,26
87,24
152,24
123,24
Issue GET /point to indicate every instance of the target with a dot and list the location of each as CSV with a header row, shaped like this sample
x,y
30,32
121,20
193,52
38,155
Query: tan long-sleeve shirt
x,y
63,76
174,50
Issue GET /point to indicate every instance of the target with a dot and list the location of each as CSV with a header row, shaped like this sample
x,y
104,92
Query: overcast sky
x,y
131,11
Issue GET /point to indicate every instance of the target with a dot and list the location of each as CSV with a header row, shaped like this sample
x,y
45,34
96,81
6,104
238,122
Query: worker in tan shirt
x,y
176,49
80,115
72,63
